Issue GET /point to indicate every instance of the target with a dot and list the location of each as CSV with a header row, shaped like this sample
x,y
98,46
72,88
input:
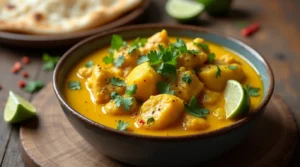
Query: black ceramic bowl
x,y
148,150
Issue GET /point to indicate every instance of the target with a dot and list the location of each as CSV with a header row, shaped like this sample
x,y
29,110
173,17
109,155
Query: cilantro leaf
x,y
211,57
187,78
125,102
122,126
181,46
34,86
194,109
49,62
150,120
143,41
252,91
116,42
232,67
108,59
203,46
132,49
117,81
218,72
142,59
74,85
154,57
119,61
164,88
166,70
131,90
89,64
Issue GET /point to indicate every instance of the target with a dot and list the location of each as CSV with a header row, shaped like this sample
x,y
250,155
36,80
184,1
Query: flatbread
x,y
60,16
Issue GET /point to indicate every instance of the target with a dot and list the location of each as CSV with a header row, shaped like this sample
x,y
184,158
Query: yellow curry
x,y
144,86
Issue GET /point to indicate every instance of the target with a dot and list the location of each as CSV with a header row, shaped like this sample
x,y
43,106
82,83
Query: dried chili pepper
x,y
25,59
22,84
249,30
16,67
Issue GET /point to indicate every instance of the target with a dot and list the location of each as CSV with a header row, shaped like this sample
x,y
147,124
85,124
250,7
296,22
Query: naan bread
x,y
60,16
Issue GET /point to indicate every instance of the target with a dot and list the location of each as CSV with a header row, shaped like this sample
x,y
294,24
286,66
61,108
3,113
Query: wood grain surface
x,y
50,140
278,40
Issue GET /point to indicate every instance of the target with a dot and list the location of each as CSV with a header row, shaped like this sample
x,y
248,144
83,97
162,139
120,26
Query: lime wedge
x,y
18,109
237,100
184,10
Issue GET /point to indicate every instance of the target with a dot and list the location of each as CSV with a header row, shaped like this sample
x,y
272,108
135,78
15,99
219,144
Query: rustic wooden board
x,y
50,140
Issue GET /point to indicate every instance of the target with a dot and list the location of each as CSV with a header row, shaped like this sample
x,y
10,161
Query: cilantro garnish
x,y
211,57
117,81
132,49
164,88
187,78
252,91
122,126
166,70
203,46
34,86
119,61
125,102
74,85
154,57
218,72
181,46
89,64
232,67
142,59
108,59
138,42
49,62
150,120
117,42
194,109
143,41
131,90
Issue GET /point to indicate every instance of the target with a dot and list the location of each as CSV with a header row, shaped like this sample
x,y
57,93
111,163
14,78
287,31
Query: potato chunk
x,y
85,72
226,59
207,75
111,108
145,78
210,97
130,59
163,109
100,87
160,38
194,123
185,90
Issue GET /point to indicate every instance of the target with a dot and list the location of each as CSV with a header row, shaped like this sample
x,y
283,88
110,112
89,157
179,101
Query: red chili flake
x,y
22,84
25,59
25,74
141,122
16,67
249,30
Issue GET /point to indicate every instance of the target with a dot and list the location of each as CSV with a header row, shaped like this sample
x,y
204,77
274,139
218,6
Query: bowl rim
x,y
204,135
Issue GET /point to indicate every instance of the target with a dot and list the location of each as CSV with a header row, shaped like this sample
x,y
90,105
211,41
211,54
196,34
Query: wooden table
x,y
278,40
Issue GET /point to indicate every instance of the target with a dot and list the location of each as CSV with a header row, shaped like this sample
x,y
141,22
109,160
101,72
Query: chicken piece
x,y
191,61
145,78
191,122
100,86
160,38
185,90
85,72
112,109
160,111
210,97
209,76
130,58
227,59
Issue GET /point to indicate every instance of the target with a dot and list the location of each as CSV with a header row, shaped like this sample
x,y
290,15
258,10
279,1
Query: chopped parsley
x,y
89,64
119,61
203,46
142,59
74,85
117,42
122,126
108,59
164,88
187,78
218,72
232,67
211,57
34,86
150,120
252,91
49,62
194,109
117,81
131,90
125,102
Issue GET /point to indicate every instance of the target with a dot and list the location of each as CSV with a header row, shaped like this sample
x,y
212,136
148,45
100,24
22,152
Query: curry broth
x,y
80,100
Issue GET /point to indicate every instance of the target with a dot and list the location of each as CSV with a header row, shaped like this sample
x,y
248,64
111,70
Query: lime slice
x,y
18,109
237,100
184,10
